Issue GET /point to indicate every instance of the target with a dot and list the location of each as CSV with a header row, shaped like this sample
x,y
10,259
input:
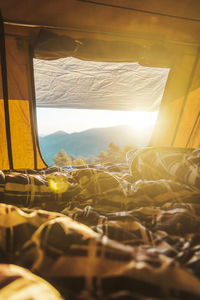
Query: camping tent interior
x,y
135,235
161,34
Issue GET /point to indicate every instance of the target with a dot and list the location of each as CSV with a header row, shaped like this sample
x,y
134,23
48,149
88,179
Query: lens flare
x,y
58,183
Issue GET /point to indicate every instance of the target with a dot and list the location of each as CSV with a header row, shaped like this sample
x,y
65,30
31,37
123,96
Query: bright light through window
x,y
76,120
76,98
86,134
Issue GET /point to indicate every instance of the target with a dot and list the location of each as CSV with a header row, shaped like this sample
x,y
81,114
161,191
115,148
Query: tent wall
x,y
24,152
178,120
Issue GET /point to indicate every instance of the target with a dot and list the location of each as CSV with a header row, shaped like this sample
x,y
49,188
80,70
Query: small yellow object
x,y
58,183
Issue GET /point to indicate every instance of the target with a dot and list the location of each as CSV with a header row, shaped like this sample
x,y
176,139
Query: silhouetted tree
x,y
112,148
61,159
79,161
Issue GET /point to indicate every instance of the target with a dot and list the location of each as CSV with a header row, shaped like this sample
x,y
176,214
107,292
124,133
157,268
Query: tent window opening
x,y
87,110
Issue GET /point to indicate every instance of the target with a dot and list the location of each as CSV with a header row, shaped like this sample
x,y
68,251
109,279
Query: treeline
x,y
113,154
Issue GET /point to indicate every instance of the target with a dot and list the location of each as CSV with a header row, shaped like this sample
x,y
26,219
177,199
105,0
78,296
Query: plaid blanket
x,y
101,232
160,163
18,283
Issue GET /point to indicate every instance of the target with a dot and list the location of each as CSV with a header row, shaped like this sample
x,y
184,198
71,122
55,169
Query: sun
x,y
76,120
142,121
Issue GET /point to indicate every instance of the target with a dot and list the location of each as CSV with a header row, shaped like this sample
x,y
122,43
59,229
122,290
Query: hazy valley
x,y
90,142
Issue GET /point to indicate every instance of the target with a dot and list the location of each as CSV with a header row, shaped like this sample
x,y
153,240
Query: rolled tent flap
x,y
50,45
23,143
78,84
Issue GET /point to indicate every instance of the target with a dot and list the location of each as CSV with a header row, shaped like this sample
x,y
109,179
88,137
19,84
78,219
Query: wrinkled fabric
x,y
18,283
182,165
101,232
58,84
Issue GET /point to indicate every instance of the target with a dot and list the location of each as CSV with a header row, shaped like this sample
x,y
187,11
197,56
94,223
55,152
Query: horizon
x,y
90,142
51,120
63,131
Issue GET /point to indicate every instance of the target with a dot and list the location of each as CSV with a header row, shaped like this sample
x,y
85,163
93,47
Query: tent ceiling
x,y
157,29
126,17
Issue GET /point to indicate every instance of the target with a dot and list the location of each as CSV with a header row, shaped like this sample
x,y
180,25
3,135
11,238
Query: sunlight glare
x,y
76,120
142,121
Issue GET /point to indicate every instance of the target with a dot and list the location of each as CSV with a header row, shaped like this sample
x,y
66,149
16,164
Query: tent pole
x,y
32,106
5,90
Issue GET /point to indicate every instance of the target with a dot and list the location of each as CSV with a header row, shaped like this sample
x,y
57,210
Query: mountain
x,y
89,142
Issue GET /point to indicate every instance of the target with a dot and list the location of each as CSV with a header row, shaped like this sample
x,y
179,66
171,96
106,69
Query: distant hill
x,y
89,142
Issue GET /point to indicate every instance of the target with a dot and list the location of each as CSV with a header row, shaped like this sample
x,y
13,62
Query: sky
x,y
76,120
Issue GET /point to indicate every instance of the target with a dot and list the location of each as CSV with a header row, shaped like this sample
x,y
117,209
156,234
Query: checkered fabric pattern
x,y
182,165
17,226
100,232
33,189
70,254
17,283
